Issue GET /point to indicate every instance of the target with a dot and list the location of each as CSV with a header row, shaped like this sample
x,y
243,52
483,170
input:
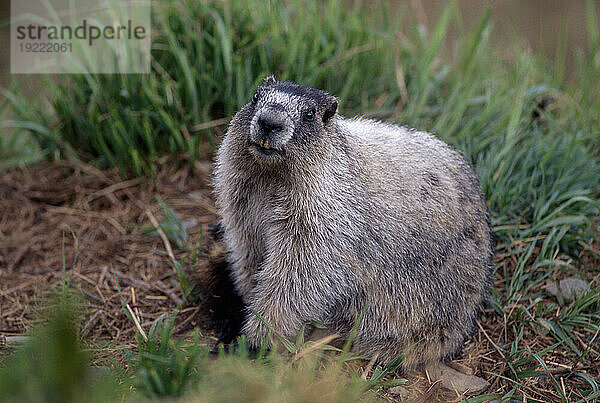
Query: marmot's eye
x,y
255,98
309,115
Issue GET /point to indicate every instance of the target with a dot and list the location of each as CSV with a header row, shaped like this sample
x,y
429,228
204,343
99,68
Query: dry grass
x,y
95,218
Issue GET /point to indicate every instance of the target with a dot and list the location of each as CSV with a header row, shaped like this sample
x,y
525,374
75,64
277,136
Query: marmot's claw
x,y
228,334
232,348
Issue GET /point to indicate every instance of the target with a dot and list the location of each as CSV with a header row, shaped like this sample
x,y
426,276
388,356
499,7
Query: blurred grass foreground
x,y
533,136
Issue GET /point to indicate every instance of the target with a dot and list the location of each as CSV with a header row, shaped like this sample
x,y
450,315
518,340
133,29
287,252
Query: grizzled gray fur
x,y
325,217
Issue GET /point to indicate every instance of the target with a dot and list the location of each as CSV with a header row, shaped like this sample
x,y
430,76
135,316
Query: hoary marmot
x,y
325,217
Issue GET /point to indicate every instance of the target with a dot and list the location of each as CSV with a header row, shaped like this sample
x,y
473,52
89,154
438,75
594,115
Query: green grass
x,y
538,166
128,121
167,367
16,147
52,366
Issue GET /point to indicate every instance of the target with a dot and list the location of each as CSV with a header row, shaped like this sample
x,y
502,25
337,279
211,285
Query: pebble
x,y
196,195
189,224
399,392
570,288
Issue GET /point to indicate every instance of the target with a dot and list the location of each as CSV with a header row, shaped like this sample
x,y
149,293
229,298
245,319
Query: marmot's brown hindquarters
x,y
324,217
221,305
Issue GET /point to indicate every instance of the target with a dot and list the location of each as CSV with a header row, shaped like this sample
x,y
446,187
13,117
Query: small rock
x,y
453,380
97,372
204,167
11,341
570,288
399,392
196,195
188,224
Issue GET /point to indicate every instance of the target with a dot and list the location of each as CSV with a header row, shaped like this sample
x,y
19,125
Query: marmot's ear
x,y
270,80
331,105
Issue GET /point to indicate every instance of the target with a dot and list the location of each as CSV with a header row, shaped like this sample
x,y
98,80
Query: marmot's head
x,y
286,119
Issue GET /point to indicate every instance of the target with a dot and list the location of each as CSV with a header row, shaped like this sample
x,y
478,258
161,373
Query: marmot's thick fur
x,y
325,217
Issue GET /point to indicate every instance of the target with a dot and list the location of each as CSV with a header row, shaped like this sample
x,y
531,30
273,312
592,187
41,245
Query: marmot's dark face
x,y
287,119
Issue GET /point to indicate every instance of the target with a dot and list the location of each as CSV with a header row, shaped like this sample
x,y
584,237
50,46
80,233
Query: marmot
x,y
325,217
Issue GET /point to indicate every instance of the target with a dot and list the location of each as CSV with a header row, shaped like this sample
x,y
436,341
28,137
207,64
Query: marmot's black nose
x,y
269,126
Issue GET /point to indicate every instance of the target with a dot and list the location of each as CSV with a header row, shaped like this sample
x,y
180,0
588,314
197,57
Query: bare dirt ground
x,y
71,222
62,222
